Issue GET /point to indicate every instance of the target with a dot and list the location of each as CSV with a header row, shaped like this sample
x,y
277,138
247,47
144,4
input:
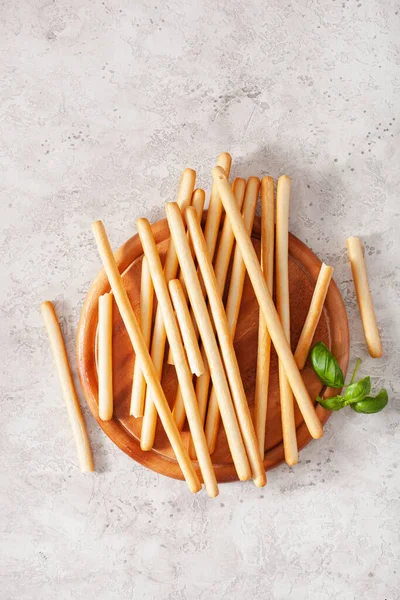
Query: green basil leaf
x,y
356,392
372,404
326,366
335,403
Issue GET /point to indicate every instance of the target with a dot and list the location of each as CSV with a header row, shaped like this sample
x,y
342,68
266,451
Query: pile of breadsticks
x,y
200,329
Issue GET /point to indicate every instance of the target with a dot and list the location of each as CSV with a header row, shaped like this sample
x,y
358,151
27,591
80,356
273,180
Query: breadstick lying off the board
x,y
364,299
264,340
67,386
196,297
227,350
186,327
313,316
266,304
211,230
146,318
105,357
222,260
181,363
283,308
143,356
234,299
198,199
159,335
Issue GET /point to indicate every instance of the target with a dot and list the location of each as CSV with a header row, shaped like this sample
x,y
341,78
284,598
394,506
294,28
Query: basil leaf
x,y
326,366
356,392
372,404
335,403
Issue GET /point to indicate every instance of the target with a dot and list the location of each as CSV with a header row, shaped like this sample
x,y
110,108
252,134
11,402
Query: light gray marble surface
x,y
102,105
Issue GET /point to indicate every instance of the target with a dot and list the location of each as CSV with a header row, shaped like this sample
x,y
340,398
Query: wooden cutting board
x,y
124,430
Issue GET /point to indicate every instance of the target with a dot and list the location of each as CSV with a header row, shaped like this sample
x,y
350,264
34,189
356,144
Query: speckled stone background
x,y
102,105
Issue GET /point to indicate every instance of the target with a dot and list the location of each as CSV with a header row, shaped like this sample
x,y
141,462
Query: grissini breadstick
x,y
181,363
234,299
222,260
105,357
146,319
264,340
266,304
227,239
211,230
283,308
313,316
213,220
227,350
198,199
159,336
67,385
178,411
196,297
186,327
364,299
143,356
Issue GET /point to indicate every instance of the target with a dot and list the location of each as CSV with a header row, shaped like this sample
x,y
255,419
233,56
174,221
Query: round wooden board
x,y
124,430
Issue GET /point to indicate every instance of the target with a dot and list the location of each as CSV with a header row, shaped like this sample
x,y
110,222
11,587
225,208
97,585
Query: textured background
x,y
102,105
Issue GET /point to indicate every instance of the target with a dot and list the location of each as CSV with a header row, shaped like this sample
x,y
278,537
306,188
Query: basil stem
x,y
358,363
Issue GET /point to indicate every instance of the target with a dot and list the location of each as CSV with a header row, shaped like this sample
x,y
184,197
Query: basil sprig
x,y
356,393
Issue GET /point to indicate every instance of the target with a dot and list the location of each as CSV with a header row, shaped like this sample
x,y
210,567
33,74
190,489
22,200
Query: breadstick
x,y
264,340
182,366
211,230
213,220
227,239
364,299
222,260
146,318
314,315
143,356
196,297
198,199
105,357
282,306
67,385
179,406
234,299
226,345
266,304
159,336
186,327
